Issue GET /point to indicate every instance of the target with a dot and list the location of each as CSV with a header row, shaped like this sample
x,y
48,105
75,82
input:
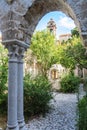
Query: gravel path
x,y
61,117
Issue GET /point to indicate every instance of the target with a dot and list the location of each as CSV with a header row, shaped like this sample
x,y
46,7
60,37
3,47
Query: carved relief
x,y
21,53
20,35
13,51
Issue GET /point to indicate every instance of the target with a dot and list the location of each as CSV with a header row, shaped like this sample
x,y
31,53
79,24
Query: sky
x,y
64,24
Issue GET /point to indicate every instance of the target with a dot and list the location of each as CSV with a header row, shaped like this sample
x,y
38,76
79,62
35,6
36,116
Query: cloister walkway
x,y
61,117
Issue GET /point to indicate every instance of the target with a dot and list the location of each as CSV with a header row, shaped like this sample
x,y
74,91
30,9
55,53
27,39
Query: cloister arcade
x,y
18,19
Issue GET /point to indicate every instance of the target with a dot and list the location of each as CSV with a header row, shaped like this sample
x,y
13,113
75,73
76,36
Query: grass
x,y
3,121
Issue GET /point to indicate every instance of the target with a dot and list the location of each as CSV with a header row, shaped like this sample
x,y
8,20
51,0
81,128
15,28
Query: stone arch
x,y
18,19
73,9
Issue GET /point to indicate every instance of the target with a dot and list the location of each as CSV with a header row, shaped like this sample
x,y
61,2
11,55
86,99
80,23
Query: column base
x,y
23,128
14,128
22,125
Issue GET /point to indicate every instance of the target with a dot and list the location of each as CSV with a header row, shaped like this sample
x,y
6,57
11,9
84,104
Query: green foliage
x,y
3,104
3,78
37,94
69,54
77,53
82,119
75,32
69,83
73,53
43,46
65,59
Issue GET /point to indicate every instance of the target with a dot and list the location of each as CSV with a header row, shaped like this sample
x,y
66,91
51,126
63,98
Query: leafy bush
x,y
82,107
37,94
69,83
3,105
3,79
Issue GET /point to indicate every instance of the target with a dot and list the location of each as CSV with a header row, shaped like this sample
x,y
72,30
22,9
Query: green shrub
x,y
3,105
82,119
69,83
37,94
3,79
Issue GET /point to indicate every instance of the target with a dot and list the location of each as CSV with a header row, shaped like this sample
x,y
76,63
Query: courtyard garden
x,y
39,97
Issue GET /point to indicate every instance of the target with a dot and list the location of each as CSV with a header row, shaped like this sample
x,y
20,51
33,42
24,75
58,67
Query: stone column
x,y
20,103
12,123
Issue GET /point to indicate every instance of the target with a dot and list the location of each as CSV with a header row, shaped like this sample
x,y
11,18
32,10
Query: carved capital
x,y
13,51
21,54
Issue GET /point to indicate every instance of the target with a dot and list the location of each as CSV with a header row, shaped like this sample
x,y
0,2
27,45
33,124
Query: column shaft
x,y
20,106
12,123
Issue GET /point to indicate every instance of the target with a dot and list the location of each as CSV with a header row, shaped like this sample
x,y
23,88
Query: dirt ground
x,y
3,122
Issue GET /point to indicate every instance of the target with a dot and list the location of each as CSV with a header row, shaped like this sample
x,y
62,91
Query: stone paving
x,y
61,117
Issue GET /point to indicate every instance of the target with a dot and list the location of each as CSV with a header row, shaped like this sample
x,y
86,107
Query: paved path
x,y
61,117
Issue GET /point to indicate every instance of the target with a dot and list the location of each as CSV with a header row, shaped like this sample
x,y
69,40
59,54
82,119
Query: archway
x,y
18,20
39,9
